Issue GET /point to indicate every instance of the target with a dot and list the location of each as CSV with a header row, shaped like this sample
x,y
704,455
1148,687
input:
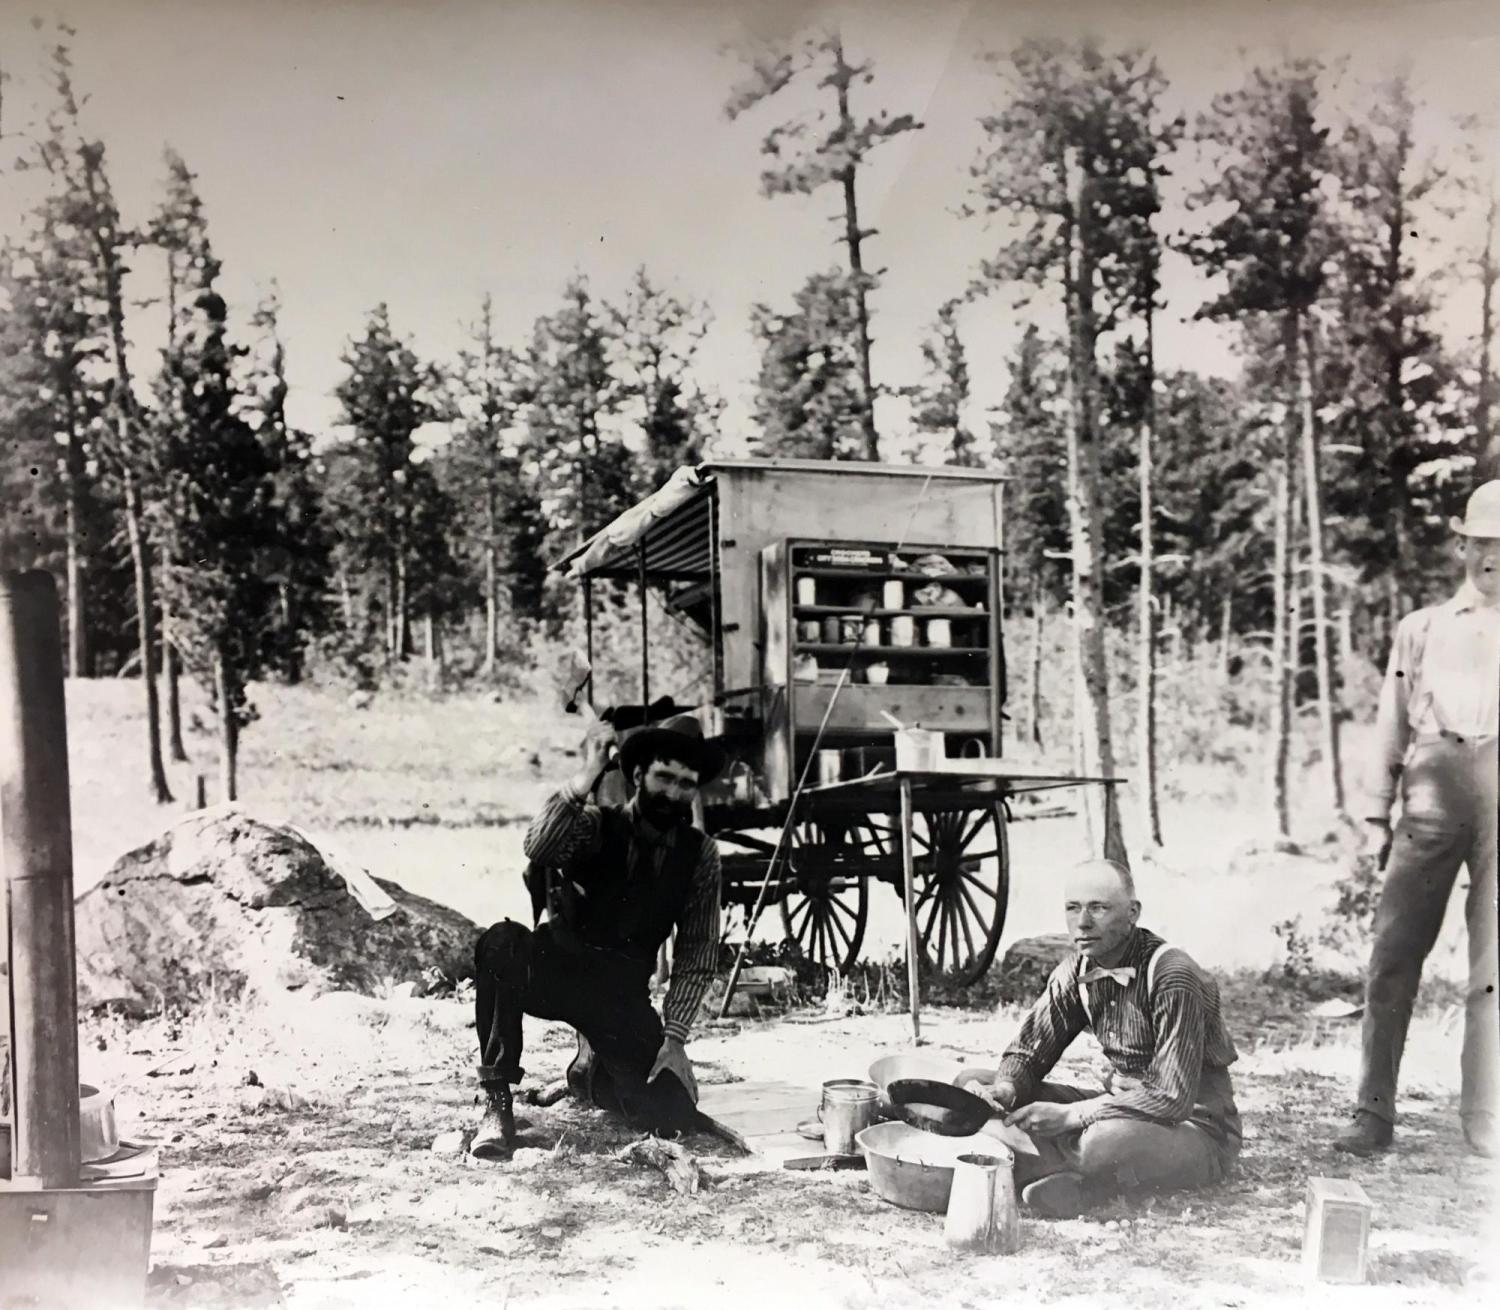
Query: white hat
x,y
1482,514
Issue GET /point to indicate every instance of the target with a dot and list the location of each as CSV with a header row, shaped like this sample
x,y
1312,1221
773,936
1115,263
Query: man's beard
x,y
663,812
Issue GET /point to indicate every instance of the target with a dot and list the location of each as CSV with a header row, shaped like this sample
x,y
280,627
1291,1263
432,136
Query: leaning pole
x,y
36,854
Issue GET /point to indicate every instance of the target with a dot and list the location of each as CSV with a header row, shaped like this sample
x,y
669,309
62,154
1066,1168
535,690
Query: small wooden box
x,y
1337,1237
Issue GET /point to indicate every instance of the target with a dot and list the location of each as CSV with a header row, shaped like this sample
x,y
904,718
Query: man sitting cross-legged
x,y
1167,1117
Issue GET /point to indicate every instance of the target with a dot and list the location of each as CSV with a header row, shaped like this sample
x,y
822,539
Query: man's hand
x,y
1045,1119
673,1059
598,742
1377,843
999,1094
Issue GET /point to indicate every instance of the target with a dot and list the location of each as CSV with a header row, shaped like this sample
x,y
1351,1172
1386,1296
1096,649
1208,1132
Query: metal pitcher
x,y
982,1214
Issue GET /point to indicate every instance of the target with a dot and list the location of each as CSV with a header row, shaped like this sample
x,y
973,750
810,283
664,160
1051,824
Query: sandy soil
x,y
319,1186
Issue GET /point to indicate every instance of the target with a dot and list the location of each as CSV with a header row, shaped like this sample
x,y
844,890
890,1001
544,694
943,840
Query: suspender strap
x,y
1151,962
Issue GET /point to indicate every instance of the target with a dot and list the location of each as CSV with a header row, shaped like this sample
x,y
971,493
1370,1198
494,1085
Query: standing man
x,y
1436,734
618,880
1166,1117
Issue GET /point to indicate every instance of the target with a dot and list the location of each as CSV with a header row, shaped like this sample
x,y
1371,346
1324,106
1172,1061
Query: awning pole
x,y
588,630
645,640
715,636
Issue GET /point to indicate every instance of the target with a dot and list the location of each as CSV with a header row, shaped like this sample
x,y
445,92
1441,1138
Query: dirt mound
x,y
222,902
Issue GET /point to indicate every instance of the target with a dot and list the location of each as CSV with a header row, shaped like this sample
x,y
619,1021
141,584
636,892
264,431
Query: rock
x,y
215,1242
1025,966
225,901
449,1143
529,1157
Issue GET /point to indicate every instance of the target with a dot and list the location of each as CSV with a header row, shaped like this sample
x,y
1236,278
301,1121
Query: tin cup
x,y
848,1107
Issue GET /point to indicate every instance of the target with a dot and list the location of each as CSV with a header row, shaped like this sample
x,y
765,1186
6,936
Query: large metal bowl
x,y
914,1169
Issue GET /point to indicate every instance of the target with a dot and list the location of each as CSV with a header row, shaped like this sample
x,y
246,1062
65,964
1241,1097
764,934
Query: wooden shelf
x,y
886,575
899,652
912,611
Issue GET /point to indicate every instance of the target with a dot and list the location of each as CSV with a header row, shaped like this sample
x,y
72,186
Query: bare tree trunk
x,y
491,584
145,605
1034,669
346,598
403,621
1101,811
1486,441
1328,721
853,237
169,664
73,475
1281,642
1226,630
1150,813
229,732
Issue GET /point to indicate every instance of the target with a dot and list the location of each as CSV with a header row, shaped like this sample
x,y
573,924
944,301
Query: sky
x,y
424,154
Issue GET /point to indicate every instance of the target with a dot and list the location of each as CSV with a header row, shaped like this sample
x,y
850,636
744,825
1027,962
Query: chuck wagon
x,y
852,616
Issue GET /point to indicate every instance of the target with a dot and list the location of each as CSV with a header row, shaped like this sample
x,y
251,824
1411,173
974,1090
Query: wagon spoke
x,y
988,891
963,918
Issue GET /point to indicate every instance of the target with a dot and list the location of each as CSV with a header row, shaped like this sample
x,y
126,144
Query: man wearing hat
x,y
1436,735
618,881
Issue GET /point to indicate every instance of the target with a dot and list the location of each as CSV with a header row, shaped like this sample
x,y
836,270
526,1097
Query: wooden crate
x,y
1335,1243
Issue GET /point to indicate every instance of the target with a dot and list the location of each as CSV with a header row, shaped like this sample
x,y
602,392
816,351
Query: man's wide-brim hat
x,y
1482,514
679,738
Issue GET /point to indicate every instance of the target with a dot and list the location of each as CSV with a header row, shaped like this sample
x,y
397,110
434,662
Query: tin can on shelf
x,y
939,632
893,594
809,630
831,630
872,632
903,630
807,591
851,629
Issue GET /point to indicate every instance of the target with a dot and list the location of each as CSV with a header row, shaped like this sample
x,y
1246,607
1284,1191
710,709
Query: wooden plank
x,y
759,1109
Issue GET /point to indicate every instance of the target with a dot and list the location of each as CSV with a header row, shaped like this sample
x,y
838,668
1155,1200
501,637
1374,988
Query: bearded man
x,y
616,881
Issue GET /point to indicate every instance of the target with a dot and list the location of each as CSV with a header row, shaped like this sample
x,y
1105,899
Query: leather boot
x,y
495,1138
1364,1134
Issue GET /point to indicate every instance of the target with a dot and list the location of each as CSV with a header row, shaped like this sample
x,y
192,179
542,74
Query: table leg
x,y
909,883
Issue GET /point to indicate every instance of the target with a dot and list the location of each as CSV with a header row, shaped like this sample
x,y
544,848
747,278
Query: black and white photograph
x,y
747,653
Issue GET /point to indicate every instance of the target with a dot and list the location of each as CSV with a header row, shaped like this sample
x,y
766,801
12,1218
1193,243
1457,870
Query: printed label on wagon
x,y
843,558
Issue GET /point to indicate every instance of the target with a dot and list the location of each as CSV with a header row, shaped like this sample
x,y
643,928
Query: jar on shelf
x,y
903,630
831,630
807,591
851,629
809,630
939,632
871,634
893,594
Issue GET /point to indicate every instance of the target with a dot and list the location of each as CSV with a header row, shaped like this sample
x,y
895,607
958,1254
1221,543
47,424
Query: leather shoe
x,y
1365,1134
1480,1133
495,1138
1057,1196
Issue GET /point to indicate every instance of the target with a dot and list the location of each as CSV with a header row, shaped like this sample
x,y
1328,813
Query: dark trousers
x,y
1123,1155
603,994
1448,820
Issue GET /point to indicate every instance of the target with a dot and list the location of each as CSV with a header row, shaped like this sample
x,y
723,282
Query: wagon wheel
x,y
961,868
828,896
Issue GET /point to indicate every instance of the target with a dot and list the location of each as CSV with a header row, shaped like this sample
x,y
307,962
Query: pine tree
x,y
1070,162
376,496
827,147
809,402
298,561
1270,165
656,341
939,401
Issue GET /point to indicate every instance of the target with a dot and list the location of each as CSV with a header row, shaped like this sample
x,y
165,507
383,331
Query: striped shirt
x,y
1168,1046
1443,676
569,823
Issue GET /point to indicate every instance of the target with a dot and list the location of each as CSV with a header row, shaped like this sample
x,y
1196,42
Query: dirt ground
x,y
297,1138
299,1170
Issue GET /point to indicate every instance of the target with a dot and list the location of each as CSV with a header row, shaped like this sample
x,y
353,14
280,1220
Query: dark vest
x,y
620,908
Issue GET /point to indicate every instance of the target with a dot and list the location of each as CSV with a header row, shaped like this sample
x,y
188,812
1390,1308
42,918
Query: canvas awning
x,y
674,523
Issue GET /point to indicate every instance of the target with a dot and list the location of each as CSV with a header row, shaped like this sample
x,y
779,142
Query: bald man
x,y
1165,1118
